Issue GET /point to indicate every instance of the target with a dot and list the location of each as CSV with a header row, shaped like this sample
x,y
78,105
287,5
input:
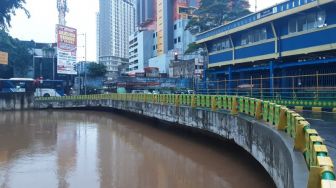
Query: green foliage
x,y
213,13
18,55
7,9
96,70
192,48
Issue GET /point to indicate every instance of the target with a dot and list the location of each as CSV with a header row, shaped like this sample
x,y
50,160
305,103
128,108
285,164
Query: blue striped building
x,y
296,37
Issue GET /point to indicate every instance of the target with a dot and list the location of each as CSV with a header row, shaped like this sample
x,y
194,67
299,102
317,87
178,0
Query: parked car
x,y
141,91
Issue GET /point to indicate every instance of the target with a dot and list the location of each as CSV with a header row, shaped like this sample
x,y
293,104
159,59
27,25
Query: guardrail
x,y
306,139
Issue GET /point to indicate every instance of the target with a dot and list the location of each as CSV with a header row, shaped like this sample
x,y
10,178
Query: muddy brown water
x,y
46,149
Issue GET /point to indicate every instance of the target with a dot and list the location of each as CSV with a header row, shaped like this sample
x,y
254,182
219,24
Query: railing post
x,y
234,109
193,101
251,85
300,140
177,100
213,103
230,80
271,77
258,112
317,85
282,119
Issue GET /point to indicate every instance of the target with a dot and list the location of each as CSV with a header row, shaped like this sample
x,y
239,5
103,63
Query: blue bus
x,y
40,88
17,85
49,88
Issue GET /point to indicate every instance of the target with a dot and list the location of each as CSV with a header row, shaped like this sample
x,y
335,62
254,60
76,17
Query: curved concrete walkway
x,y
325,124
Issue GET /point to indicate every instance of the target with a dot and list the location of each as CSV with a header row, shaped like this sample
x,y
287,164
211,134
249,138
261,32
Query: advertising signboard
x,y
3,58
66,50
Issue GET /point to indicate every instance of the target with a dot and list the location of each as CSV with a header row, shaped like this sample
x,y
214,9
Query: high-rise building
x,y
97,37
164,26
116,24
146,14
161,22
172,38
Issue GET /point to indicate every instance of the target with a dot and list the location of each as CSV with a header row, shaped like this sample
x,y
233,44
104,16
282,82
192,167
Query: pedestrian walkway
x,y
325,124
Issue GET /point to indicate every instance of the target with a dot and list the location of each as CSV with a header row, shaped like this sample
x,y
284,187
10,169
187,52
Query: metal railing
x,y
306,139
313,87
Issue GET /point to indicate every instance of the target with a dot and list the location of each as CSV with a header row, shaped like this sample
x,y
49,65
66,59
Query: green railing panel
x,y
252,107
271,113
276,114
265,110
208,101
247,105
241,104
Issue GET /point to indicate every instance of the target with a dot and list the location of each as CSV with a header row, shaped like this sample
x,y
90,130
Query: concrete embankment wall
x,y
273,149
16,101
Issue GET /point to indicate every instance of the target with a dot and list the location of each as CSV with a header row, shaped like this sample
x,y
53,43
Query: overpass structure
x,y
285,52
281,140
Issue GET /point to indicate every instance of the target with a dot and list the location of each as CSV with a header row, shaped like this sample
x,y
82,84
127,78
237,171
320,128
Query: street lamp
x,y
34,73
54,66
84,82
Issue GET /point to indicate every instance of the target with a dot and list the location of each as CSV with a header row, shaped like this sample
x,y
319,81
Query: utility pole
x,y
256,6
62,8
85,66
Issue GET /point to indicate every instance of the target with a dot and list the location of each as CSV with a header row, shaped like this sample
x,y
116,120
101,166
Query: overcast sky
x,y
40,27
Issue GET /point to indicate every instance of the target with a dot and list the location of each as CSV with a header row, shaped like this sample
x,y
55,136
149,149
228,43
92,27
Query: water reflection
x,y
98,149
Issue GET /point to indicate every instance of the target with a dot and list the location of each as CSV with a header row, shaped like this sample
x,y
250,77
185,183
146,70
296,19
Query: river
x,y
46,149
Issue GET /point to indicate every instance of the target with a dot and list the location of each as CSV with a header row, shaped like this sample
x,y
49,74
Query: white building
x,y
140,51
116,24
181,39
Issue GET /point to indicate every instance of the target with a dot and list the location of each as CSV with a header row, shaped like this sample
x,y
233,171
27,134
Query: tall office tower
x,y
164,26
116,24
97,37
146,14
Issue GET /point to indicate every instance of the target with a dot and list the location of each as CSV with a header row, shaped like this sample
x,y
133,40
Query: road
x,y
325,124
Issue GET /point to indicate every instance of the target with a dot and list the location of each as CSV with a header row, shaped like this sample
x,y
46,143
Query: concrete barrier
x,y
272,148
16,101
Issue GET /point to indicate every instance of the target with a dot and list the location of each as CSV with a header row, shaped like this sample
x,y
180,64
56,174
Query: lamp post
x,y
85,66
84,81
54,66
34,73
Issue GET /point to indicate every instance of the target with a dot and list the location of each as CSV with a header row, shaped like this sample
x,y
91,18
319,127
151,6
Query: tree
x,y
96,70
193,47
213,13
7,9
20,59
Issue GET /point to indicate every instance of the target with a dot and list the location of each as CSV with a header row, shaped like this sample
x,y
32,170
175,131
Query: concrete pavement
x,y
325,124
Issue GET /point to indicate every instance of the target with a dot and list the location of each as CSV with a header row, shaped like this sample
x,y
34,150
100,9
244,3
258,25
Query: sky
x,y
40,27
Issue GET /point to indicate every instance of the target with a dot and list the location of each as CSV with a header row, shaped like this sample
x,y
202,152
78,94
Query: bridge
x,y
281,140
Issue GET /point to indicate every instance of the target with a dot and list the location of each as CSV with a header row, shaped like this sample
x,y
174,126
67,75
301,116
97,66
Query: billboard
x,y
3,58
66,49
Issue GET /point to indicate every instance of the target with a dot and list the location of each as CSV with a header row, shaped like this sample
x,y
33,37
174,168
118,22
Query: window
x,y
175,40
220,45
301,24
311,21
244,40
254,36
179,39
175,26
292,26
307,22
321,16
